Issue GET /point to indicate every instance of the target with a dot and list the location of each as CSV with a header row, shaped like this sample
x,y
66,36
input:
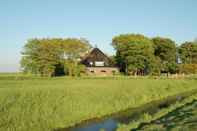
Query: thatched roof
x,y
96,55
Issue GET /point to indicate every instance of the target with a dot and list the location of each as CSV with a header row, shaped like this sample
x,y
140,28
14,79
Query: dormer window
x,y
99,63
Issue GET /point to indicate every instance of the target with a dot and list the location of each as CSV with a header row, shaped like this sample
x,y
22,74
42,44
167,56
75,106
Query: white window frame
x,y
99,63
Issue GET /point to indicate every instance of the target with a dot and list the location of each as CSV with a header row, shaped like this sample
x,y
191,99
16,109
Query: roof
x,y
96,55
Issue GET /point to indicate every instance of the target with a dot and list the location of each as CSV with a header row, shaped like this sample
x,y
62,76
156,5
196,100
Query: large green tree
x,y
134,53
74,49
188,52
46,56
165,52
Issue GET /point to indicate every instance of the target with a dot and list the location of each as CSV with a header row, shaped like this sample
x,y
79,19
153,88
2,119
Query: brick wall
x,y
102,71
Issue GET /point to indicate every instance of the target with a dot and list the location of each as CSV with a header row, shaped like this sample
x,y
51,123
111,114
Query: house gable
x,y
96,58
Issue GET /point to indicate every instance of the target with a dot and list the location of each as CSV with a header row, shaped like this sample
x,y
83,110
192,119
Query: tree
x,y
188,53
74,49
73,69
165,51
41,56
47,56
134,53
188,68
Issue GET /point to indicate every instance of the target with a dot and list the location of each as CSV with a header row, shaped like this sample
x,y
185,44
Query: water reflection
x,y
110,123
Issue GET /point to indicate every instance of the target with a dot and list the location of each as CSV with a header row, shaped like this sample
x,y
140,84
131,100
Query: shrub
x,y
188,68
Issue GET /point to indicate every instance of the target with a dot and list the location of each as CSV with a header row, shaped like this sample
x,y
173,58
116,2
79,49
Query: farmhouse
x,y
97,63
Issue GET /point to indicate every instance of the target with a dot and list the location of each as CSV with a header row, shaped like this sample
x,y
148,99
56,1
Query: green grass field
x,y
39,104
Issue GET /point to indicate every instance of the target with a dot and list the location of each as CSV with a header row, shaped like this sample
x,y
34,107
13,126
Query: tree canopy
x,y
188,52
45,56
137,53
165,52
134,53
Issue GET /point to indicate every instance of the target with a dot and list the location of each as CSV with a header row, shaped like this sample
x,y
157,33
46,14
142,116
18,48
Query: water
x,y
110,123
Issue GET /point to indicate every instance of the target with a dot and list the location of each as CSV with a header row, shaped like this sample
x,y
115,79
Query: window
x,y
99,63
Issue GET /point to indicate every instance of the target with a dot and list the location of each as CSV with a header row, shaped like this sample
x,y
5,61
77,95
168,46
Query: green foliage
x,y
165,51
156,67
43,104
188,53
188,68
44,55
74,69
138,54
134,53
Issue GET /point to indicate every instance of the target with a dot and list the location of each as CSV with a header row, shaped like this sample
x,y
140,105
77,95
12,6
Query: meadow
x,y
39,104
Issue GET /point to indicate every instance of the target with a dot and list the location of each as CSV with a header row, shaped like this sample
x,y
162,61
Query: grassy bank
x,y
179,116
47,103
183,118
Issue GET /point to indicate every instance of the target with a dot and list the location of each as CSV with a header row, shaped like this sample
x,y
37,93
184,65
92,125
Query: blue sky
x,y
96,20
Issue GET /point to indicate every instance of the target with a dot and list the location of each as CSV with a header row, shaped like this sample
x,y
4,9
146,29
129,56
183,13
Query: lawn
x,y
39,104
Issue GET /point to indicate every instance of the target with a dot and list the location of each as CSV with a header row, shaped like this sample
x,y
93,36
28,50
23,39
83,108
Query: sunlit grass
x,y
39,104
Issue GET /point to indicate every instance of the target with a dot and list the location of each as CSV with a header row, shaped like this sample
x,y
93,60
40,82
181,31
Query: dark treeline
x,y
136,54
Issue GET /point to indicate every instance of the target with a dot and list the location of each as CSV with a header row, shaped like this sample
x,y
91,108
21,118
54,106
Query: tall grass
x,y
40,104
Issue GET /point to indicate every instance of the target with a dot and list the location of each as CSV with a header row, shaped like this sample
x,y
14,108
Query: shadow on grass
x,y
183,118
